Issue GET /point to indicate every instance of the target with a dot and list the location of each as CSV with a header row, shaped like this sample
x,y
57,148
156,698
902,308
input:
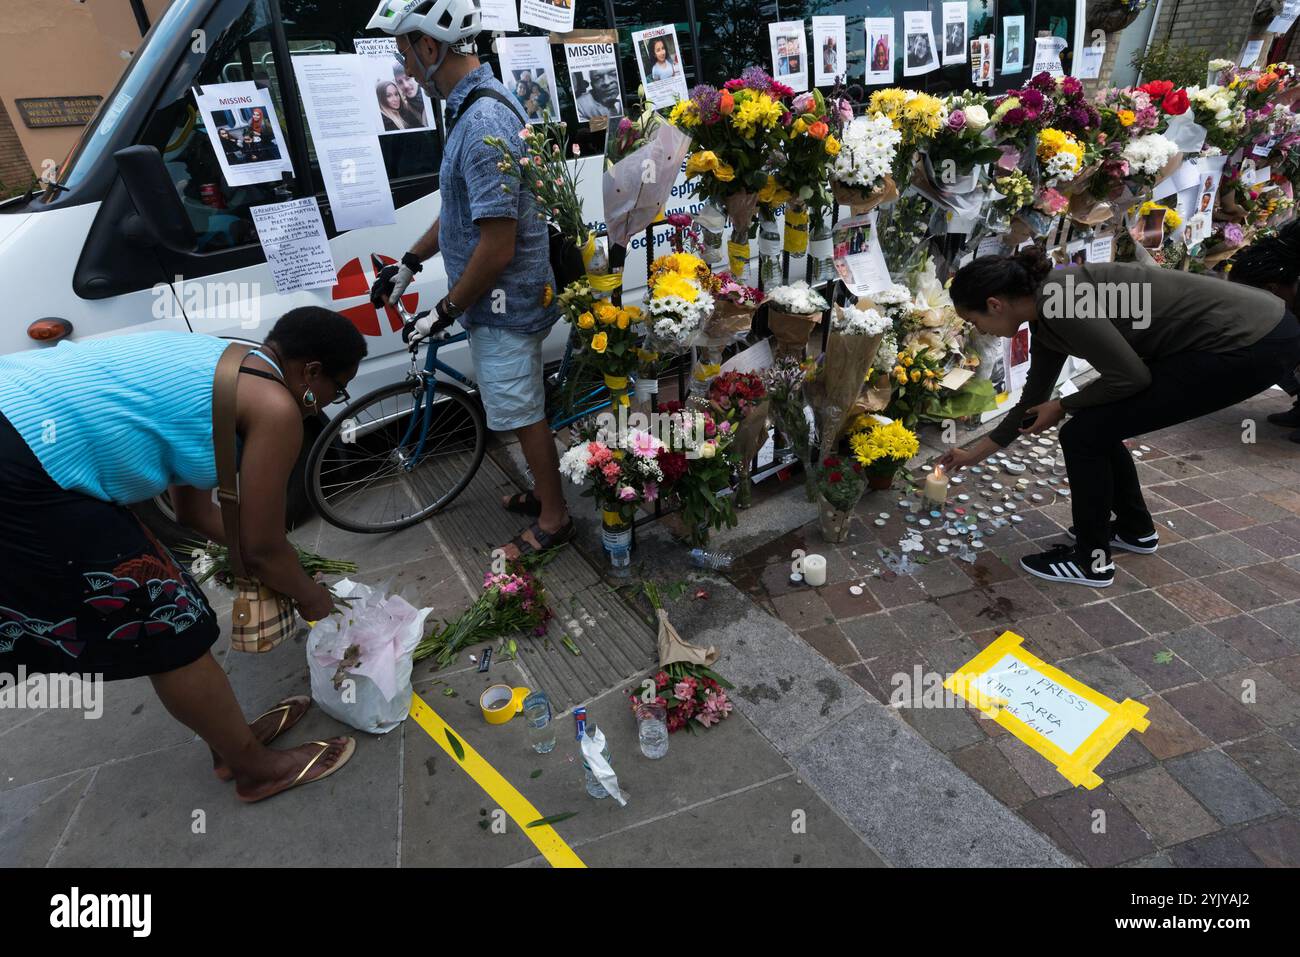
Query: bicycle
x,y
403,452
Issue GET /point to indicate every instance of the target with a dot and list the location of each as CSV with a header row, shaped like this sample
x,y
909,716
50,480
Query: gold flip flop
x,y
344,758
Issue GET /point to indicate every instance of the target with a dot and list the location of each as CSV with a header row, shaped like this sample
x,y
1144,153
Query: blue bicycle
x,y
403,452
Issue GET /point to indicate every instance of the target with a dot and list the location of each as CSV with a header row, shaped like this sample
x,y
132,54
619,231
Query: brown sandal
x,y
546,540
525,503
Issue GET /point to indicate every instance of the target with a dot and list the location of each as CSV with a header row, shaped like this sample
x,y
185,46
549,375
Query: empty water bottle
x,y
587,728
618,543
714,560
537,716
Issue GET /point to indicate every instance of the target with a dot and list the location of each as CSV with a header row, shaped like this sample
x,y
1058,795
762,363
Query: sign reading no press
x,y
57,110
1061,718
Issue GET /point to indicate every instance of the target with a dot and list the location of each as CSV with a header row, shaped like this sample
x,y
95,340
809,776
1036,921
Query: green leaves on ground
x,y
457,748
553,819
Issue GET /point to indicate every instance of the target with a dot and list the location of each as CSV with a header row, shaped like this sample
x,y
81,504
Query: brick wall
x,y
1220,26
15,171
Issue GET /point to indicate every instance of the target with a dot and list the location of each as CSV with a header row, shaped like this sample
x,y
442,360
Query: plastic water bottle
x,y
541,729
586,726
714,560
618,543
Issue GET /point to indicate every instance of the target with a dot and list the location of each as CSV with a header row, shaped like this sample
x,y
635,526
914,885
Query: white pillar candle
x,y
814,570
936,486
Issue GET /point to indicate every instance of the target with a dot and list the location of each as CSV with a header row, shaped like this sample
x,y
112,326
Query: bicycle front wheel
x,y
371,471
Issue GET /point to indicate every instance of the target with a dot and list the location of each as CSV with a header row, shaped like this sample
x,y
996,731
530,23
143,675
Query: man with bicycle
x,y
494,246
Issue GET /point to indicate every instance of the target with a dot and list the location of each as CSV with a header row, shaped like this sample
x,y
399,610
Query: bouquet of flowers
x,y
741,398
1060,156
784,382
802,164
608,334
694,695
642,156
540,164
733,132
916,376
840,486
1150,158
212,562
959,145
621,471
918,117
861,176
792,312
697,469
680,289
511,602
855,334
884,448
1220,113
1015,192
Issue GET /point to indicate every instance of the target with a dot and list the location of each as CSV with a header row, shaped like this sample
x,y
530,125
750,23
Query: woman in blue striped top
x,y
88,428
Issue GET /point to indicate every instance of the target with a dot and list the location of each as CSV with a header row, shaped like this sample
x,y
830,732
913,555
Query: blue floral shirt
x,y
471,188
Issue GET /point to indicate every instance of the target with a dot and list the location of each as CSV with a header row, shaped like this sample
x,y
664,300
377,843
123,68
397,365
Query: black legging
x,y
1183,387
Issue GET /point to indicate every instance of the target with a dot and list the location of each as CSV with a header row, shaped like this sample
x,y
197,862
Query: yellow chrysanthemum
x,y
888,101
755,113
922,114
599,342
893,441
685,114
671,284
1126,117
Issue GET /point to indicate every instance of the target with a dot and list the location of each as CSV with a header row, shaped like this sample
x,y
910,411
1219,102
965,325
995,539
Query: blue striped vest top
x,y
120,418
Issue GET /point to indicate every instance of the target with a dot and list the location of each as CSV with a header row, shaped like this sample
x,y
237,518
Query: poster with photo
x,y
398,105
555,15
919,55
789,54
529,74
659,60
880,50
1013,44
988,46
501,16
245,134
829,40
593,78
859,258
954,33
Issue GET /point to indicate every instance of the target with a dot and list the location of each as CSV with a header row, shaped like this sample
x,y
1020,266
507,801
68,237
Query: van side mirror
x,y
161,219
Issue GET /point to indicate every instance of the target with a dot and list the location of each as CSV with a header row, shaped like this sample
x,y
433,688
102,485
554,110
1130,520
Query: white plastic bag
x,y
360,659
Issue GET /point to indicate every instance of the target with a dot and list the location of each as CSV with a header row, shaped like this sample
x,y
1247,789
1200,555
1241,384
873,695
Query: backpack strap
x,y
483,92
223,447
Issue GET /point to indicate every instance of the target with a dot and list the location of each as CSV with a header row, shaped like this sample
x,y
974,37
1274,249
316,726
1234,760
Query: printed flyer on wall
x,y
829,41
660,62
245,134
555,15
529,73
1013,44
593,78
954,33
400,105
789,54
918,43
880,50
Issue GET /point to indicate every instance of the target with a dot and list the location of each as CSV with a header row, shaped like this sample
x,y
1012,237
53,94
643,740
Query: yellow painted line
x,y
497,787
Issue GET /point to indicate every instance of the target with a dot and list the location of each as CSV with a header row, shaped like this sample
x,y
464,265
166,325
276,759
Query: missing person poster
x,y
293,237
918,43
244,132
954,33
659,61
400,106
880,50
859,258
789,54
555,15
499,15
1013,44
593,78
529,73
987,47
829,40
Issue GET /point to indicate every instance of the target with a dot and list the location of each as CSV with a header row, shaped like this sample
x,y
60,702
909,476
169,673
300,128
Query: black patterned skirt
x,y
84,587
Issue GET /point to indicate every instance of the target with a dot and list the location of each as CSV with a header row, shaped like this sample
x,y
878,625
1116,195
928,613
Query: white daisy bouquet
x,y
792,312
1150,157
856,333
861,174
679,301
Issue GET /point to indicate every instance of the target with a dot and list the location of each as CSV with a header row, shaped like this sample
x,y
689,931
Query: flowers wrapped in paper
x,y
741,398
642,159
861,172
855,334
792,312
784,382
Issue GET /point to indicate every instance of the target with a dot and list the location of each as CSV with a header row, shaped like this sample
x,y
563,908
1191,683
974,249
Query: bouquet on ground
x,y
862,173
609,335
733,133
680,299
792,311
694,695
784,382
621,470
840,485
642,156
916,377
513,601
697,470
855,334
741,399
882,449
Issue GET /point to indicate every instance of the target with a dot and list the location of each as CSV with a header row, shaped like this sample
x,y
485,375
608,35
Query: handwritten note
x,y
1051,709
297,250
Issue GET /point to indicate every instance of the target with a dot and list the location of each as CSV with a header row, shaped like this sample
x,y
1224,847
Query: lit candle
x,y
936,486
814,570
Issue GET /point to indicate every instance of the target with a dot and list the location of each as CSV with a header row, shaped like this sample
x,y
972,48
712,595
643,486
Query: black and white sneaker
x,y
1063,564
1143,545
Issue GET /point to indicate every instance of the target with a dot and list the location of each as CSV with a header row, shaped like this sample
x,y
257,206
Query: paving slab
x,y
1228,792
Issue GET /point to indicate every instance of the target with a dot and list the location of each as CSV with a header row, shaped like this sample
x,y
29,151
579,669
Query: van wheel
x,y
160,518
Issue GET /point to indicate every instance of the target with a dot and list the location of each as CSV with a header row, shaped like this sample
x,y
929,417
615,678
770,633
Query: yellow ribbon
x,y
605,282
796,231
706,370
737,256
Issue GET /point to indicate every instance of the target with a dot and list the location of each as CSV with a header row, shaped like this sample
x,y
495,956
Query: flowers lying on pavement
x,y
693,694
512,601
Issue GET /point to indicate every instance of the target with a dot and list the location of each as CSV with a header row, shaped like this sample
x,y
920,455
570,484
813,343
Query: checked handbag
x,y
261,618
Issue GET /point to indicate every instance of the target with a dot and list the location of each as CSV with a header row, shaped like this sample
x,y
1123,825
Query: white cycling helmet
x,y
448,21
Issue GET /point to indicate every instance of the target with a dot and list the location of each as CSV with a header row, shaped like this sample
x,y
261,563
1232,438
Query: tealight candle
x,y
936,487
814,570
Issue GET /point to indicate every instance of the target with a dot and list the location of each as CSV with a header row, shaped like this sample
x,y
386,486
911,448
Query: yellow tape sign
x,y
1061,718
